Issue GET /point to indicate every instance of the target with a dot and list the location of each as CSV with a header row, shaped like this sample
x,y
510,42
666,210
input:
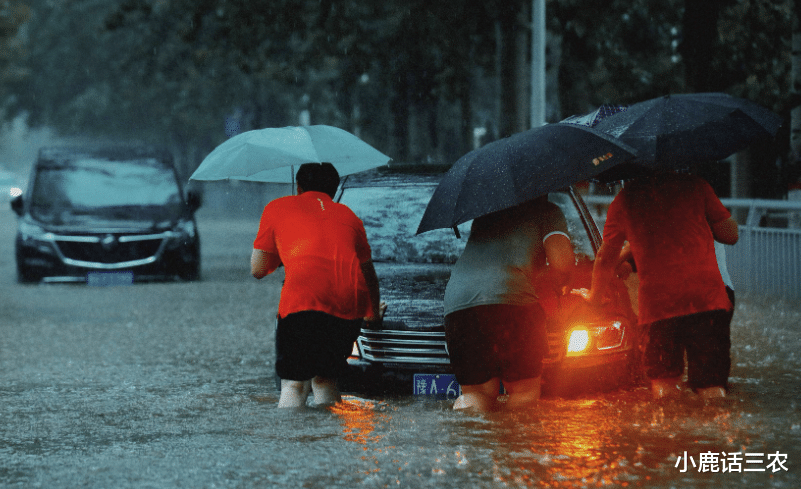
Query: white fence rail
x,y
766,261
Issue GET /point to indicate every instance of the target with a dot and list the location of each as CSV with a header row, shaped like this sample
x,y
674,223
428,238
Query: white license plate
x,y
441,385
106,279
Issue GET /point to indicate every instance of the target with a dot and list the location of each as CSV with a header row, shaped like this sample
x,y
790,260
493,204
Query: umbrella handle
x,y
456,231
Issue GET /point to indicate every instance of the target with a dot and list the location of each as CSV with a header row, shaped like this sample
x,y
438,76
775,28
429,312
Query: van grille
x,y
117,251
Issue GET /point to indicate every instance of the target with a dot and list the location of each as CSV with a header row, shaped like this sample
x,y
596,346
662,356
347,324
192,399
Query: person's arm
x,y
603,271
724,227
371,279
726,231
561,259
625,265
263,263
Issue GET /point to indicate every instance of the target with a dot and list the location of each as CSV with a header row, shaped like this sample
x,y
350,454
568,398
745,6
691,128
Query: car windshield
x,y
391,215
132,189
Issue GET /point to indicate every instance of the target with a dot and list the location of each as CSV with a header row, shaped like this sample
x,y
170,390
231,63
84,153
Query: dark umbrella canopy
x,y
591,119
678,130
510,171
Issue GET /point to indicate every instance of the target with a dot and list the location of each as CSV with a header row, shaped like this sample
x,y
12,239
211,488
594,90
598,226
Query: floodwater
x,y
171,385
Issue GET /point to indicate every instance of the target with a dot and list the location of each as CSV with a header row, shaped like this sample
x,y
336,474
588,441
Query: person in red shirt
x,y
671,222
330,285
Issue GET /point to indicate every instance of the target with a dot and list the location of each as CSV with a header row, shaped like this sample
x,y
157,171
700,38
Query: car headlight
x,y
188,228
355,350
32,232
34,236
585,339
182,234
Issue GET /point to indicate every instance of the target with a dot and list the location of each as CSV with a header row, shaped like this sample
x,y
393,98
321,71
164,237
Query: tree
x,y
616,51
794,105
412,78
754,62
12,48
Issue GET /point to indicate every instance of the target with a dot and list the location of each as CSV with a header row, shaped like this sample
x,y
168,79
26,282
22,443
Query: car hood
x,y
414,293
93,225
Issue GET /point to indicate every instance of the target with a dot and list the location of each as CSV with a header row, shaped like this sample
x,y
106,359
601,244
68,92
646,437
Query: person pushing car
x,y
671,222
330,285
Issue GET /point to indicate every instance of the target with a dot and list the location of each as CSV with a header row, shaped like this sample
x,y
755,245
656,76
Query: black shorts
x,y
704,336
497,340
312,343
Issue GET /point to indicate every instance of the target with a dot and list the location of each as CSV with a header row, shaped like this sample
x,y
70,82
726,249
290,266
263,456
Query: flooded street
x,y
171,385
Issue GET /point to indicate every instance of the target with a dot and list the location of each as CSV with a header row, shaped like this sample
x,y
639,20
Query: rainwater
x,y
170,385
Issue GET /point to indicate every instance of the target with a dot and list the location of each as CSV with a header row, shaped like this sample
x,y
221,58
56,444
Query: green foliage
x,y
755,50
406,74
12,50
616,51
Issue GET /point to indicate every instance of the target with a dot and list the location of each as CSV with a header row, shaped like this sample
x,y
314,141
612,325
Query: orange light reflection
x,y
358,418
572,445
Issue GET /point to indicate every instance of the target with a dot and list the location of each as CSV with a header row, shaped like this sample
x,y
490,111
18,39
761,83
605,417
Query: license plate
x,y
106,279
441,385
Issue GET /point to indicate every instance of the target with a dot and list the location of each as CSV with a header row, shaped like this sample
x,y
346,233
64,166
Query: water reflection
x,y
358,418
143,394
619,440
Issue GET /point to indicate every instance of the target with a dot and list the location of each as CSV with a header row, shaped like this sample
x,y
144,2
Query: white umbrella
x,y
271,154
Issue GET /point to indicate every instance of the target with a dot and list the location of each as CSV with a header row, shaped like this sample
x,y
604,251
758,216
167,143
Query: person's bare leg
x,y
666,388
712,392
294,393
522,393
479,397
326,392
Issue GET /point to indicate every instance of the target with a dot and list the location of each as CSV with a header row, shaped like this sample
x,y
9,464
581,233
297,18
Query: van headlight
x,y
32,232
593,338
34,236
183,234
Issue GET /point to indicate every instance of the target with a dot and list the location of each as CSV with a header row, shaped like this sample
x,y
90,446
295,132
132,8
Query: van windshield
x,y
132,189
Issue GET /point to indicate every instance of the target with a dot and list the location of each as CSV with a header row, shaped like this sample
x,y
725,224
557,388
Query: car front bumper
x,y
46,262
571,376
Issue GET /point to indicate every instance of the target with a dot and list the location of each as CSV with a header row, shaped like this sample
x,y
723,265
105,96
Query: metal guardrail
x,y
766,261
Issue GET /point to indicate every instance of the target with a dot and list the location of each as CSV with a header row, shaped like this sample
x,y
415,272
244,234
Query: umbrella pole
x,y
292,178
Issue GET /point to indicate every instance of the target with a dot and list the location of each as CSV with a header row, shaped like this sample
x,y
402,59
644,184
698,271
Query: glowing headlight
x,y
610,336
579,340
355,351
583,340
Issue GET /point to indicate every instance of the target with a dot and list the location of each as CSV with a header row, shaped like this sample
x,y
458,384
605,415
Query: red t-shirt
x,y
322,245
667,220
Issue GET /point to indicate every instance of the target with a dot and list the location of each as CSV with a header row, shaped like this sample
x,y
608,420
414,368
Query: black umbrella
x,y
591,119
513,170
675,131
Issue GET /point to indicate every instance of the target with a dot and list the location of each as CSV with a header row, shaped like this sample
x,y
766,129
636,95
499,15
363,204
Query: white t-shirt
x,y
720,253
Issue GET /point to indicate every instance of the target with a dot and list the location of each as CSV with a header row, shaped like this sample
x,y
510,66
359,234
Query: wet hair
x,y
318,177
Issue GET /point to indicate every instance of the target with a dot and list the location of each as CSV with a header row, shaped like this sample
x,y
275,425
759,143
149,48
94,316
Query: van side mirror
x,y
194,200
17,205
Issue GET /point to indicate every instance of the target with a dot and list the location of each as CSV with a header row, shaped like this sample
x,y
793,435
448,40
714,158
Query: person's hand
x,y
376,319
584,293
623,270
587,295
